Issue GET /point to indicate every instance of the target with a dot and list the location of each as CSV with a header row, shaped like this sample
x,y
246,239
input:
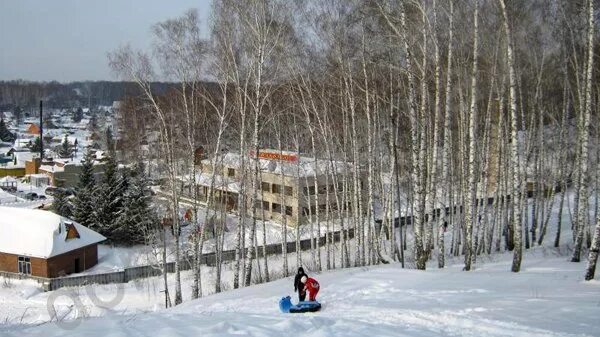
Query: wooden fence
x,y
139,272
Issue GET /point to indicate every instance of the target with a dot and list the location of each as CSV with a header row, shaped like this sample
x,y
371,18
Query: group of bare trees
x,y
463,120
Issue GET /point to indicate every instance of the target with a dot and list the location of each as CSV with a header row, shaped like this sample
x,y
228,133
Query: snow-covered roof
x,y
8,179
25,156
12,165
52,168
22,143
38,233
304,166
223,183
5,150
61,138
38,175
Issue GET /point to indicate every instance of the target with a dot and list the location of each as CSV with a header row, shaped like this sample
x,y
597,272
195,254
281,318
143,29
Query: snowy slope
x,y
548,298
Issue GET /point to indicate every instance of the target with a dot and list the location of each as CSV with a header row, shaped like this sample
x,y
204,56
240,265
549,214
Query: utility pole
x,y
41,132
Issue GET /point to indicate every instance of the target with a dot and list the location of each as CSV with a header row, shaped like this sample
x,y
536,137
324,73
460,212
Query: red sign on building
x,y
275,156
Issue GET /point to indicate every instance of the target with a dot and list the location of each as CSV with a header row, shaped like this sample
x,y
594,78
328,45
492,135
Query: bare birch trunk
x,y
516,190
472,180
582,209
447,149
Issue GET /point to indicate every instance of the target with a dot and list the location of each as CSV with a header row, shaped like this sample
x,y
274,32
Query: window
x,y
289,210
259,205
72,232
309,190
289,190
204,193
322,207
322,189
266,187
276,189
306,211
275,208
231,172
24,265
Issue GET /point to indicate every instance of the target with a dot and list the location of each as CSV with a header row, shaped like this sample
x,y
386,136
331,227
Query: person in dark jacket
x,y
298,285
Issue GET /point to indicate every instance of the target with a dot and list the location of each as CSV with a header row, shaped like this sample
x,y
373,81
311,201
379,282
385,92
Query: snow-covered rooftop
x,y
39,233
302,166
223,183
52,168
8,179
5,149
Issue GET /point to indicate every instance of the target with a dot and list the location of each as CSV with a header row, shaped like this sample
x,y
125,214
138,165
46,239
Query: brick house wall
x,y
65,263
10,263
55,266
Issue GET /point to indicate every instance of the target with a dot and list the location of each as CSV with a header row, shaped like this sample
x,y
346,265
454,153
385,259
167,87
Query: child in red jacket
x,y
312,286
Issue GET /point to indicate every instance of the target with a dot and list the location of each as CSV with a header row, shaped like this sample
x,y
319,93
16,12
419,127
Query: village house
x,y
65,172
43,244
10,169
33,129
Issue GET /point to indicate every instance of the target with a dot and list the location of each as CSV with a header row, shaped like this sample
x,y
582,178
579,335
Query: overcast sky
x,y
67,40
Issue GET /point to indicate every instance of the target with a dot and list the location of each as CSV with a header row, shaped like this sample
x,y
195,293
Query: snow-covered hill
x,y
548,298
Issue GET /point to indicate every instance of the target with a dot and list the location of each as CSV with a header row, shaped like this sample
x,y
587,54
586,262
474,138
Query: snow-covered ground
x,y
17,199
547,298
111,258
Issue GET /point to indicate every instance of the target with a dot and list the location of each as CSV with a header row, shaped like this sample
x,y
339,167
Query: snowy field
x,y
547,298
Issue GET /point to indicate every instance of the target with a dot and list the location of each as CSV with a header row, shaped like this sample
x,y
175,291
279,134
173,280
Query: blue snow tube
x,y
286,306
285,303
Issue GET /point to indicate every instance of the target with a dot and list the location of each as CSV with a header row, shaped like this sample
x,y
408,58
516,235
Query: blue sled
x,y
286,306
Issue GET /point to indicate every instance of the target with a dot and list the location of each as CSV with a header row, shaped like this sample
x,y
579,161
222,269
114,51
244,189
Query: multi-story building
x,y
286,191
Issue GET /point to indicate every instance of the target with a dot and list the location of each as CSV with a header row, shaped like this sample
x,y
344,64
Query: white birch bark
x,y
472,179
582,209
514,146
447,139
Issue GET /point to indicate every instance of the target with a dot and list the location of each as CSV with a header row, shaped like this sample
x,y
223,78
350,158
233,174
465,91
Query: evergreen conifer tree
x,y
110,141
5,134
135,217
109,199
84,201
37,145
78,115
61,204
18,115
65,149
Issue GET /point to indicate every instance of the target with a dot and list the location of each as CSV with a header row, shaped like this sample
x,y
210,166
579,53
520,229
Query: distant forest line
x,y
27,94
